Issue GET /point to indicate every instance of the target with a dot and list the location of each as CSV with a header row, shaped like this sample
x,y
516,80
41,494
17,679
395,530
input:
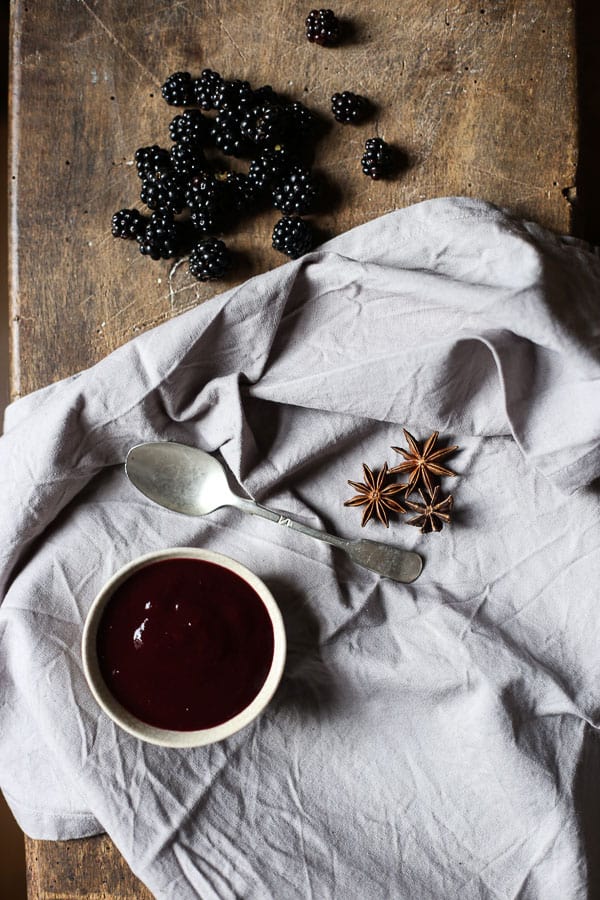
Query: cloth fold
x,y
429,740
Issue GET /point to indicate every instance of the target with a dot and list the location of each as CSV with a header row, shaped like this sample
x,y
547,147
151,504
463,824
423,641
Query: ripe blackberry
x,y
159,239
269,166
322,27
265,96
377,159
241,193
187,160
205,88
191,127
177,89
209,260
292,236
150,159
234,95
207,200
162,190
302,119
295,192
227,135
127,223
267,125
349,108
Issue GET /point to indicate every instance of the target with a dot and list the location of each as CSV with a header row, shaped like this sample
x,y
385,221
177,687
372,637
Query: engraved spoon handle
x,y
393,562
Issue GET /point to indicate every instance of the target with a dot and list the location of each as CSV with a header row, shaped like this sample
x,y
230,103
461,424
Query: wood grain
x,y
480,97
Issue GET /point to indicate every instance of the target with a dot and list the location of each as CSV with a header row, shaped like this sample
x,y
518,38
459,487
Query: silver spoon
x,y
190,481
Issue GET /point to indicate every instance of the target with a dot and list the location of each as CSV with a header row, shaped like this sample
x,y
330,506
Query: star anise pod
x,y
422,463
375,495
433,513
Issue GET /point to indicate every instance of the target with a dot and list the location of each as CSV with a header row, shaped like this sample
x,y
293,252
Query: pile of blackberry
x,y
191,189
193,193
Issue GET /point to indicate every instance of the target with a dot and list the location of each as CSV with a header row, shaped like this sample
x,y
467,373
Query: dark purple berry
x,y
187,160
205,88
150,159
240,192
209,260
377,159
233,95
269,166
295,192
267,126
177,89
292,236
302,119
191,127
349,108
322,27
208,202
162,190
227,135
160,237
128,224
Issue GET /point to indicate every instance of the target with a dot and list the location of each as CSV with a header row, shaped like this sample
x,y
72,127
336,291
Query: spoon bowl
x,y
184,479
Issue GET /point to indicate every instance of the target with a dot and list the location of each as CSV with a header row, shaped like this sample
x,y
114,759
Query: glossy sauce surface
x,y
185,644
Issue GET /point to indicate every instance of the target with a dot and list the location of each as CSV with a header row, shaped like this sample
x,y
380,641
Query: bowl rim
x,y
166,737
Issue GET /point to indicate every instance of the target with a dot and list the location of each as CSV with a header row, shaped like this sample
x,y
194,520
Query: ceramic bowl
x,y
171,737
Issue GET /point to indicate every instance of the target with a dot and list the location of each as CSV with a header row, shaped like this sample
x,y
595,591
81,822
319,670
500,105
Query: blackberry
x,y
160,237
349,108
265,96
302,119
177,89
269,166
209,260
162,190
377,159
150,159
233,95
292,236
241,193
227,135
191,127
207,221
187,160
127,223
267,125
295,192
322,27
205,88
207,200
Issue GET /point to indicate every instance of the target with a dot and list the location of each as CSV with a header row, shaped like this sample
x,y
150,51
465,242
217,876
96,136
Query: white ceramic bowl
x,y
167,737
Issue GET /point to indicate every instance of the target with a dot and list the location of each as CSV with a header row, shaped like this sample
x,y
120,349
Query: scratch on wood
x,y
533,188
118,43
140,327
227,32
119,312
172,292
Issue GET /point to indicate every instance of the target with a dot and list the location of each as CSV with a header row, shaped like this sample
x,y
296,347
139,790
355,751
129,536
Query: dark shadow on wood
x,y
587,802
586,208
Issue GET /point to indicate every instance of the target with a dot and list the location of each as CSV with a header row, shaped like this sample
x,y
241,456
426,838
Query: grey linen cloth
x,y
433,740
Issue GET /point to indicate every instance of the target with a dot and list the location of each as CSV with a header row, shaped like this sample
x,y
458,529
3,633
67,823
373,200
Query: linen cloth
x,y
428,740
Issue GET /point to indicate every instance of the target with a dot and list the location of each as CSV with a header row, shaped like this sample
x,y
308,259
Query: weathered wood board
x,y
480,96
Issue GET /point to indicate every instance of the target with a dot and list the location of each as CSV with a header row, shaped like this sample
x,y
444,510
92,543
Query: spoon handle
x,y
393,562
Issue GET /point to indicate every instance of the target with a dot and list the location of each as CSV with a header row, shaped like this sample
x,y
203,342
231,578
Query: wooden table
x,y
481,96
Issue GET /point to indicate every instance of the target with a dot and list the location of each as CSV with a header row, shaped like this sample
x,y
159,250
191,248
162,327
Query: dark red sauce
x,y
185,644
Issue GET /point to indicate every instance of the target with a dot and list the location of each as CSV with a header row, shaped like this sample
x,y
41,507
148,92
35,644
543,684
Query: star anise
x,y
376,496
422,463
433,513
